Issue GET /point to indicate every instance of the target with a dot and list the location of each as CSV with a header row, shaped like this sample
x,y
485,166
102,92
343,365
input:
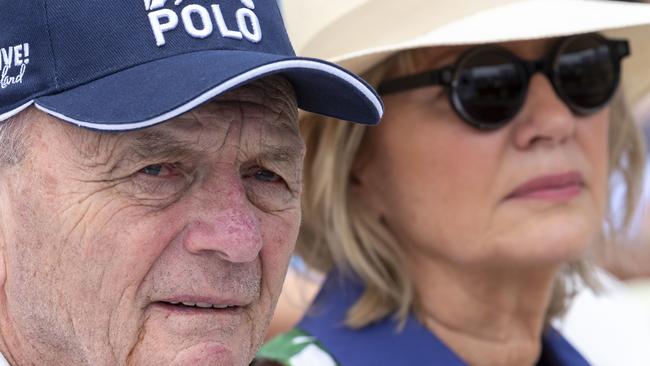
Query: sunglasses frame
x,y
449,77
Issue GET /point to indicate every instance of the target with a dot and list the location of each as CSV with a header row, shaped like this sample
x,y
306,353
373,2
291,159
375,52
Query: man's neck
x,y
489,317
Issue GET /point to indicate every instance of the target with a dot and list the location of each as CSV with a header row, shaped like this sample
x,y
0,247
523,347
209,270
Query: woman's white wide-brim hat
x,y
359,34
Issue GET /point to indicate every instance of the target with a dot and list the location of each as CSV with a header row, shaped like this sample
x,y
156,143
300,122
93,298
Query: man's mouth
x,y
215,306
199,305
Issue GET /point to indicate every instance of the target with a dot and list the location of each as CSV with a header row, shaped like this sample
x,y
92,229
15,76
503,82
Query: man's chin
x,y
206,353
182,340
209,353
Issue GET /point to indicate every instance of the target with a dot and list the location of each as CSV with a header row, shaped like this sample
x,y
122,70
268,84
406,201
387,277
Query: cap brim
x,y
154,92
431,24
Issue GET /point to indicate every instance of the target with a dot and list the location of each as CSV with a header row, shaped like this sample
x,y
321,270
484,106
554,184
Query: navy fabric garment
x,y
381,344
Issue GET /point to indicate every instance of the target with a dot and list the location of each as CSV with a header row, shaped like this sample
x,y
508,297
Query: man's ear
x,y
3,252
3,270
7,174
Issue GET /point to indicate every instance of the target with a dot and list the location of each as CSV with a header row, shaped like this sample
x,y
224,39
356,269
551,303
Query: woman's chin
x,y
548,245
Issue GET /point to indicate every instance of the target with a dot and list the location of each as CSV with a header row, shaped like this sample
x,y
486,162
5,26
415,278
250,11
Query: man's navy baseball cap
x,y
122,65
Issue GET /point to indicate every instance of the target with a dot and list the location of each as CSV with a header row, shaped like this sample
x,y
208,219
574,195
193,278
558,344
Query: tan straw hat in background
x,y
359,34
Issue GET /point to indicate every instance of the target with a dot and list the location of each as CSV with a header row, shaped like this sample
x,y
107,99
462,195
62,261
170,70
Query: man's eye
x,y
267,176
158,170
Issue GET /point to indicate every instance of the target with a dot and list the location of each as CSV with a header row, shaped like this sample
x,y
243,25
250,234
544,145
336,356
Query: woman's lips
x,y
557,187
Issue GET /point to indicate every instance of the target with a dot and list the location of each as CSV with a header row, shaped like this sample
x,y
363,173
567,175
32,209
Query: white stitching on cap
x,y
188,22
160,28
236,81
15,111
166,20
221,23
254,35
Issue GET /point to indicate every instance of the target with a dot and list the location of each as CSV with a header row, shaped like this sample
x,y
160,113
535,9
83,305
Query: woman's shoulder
x,y
294,348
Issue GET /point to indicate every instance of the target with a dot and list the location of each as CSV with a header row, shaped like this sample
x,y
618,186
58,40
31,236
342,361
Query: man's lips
x,y
184,303
555,187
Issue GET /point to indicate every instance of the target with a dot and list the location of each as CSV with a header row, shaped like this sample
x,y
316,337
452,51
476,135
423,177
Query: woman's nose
x,y
544,118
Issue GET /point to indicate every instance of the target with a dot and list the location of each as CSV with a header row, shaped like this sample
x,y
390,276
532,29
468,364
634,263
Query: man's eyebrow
x,y
282,126
158,144
282,153
161,144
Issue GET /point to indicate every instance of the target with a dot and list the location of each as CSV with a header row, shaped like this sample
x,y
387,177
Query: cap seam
x,y
49,36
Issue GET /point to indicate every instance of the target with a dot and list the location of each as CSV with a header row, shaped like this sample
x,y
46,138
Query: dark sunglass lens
x,y
489,88
586,74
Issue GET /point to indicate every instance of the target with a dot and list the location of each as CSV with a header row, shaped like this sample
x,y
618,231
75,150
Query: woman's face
x,y
532,192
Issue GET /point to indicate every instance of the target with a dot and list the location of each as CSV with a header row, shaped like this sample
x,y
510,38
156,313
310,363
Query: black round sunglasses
x,y
487,85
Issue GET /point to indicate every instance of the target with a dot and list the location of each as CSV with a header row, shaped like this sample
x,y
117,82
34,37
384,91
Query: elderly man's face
x,y
165,246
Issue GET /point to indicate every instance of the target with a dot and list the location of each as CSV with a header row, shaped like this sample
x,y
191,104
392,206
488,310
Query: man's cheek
x,y
280,230
44,290
95,222
110,246
120,249
280,234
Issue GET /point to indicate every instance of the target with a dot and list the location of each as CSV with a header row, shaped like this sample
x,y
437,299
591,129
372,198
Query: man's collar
x,y
381,343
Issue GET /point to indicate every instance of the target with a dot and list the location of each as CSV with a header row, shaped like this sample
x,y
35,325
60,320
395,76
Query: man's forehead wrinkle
x,y
270,108
210,116
285,100
258,144
260,123
273,93
94,149
282,125
85,141
264,112
281,142
270,101
240,138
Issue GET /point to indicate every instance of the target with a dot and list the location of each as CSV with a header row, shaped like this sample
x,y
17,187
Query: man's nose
x,y
225,224
545,118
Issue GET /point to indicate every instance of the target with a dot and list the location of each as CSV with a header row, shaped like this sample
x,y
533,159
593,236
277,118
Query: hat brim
x,y
474,22
157,91
425,23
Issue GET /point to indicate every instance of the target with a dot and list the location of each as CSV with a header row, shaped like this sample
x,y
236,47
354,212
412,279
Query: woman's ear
x,y
364,171
354,180
359,168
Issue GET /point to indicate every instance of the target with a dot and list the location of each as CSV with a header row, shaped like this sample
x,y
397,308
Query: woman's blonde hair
x,y
338,232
